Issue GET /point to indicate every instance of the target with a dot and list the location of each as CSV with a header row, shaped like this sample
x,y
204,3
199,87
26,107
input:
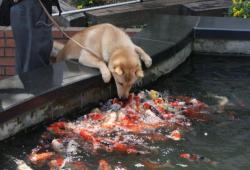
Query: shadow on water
x,y
208,78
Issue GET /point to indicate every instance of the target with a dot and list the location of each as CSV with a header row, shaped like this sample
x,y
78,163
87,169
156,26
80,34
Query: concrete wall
x,y
221,47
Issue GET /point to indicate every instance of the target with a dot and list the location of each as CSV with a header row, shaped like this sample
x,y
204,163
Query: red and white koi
x,y
175,135
37,158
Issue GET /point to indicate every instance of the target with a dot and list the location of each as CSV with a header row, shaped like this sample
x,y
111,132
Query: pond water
x,y
211,79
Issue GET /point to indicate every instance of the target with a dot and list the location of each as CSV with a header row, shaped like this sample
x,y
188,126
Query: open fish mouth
x,y
131,127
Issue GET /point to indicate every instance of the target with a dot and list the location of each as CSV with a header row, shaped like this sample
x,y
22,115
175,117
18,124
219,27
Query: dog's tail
x,y
57,47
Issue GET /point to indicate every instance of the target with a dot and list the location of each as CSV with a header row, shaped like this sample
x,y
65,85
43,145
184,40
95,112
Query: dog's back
x,y
102,39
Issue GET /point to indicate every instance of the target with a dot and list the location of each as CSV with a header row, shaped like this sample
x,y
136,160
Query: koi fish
x,y
232,115
57,145
124,148
157,137
175,135
196,115
122,126
88,137
57,128
155,165
95,116
20,164
196,157
104,165
110,120
56,164
79,165
120,167
37,158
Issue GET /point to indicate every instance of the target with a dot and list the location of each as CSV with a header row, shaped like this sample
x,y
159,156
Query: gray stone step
x,y
133,14
208,8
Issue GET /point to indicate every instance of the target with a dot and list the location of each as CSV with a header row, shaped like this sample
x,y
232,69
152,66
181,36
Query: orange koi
x,y
158,101
130,126
154,165
124,148
57,163
188,156
87,136
96,116
58,124
57,128
104,165
196,115
175,135
195,157
174,104
131,117
79,165
37,158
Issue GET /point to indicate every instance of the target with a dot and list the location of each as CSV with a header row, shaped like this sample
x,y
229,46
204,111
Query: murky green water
x,y
225,140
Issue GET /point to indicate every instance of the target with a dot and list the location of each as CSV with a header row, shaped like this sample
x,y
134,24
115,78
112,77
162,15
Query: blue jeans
x,y
32,34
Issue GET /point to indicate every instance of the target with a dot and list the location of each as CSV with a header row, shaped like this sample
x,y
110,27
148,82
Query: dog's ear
x,y
139,73
118,70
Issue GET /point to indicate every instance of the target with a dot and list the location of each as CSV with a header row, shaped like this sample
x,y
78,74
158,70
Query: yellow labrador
x,y
119,56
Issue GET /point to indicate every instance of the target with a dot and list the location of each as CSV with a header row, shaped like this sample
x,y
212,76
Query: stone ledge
x,y
222,28
222,47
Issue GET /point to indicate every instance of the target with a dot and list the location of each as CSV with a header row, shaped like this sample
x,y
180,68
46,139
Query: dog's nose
x,y
123,98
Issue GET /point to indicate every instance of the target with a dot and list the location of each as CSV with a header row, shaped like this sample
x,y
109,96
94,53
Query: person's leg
x,y
5,12
32,35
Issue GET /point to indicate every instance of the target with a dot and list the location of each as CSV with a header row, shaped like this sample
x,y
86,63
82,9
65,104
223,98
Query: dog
x,y
117,55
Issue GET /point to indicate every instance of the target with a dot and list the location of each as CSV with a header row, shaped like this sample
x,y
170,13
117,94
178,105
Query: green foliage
x,y
240,8
85,3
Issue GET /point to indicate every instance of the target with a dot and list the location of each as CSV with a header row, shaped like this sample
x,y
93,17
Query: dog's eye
x,y
120,83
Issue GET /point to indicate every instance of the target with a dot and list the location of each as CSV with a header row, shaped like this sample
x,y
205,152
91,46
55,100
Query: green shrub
x,y
240,8
85,3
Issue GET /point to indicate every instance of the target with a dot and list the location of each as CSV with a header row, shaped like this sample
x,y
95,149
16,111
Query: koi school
x,y
128,127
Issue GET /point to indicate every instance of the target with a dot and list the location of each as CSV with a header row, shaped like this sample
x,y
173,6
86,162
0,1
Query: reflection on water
x,y
214,80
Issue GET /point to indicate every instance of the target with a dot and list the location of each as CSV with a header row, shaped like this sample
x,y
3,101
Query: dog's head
x,y
126,68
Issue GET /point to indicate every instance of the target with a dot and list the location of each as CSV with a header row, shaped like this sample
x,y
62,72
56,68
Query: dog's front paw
x,y
148,62
106,76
